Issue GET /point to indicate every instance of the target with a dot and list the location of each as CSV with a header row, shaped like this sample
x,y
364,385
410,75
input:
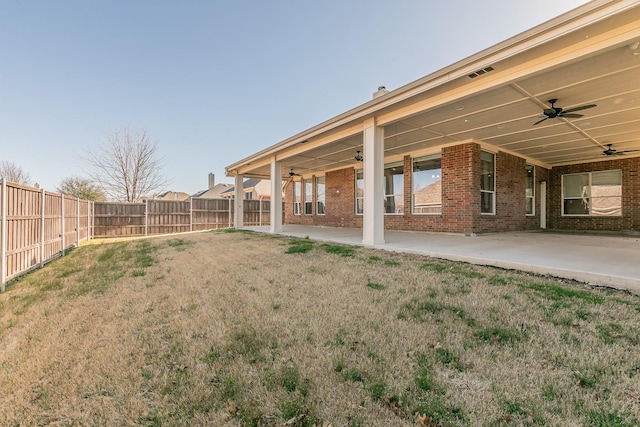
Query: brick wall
x,y
461,197
630,219
339,202
510,212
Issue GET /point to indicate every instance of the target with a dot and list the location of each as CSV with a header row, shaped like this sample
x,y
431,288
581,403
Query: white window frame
x,y
492,191
531,196
321,196
588,198
360,198
394,195
413,183
297,190
308,196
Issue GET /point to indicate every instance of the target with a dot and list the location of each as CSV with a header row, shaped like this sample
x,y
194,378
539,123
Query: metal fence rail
x,y
37,226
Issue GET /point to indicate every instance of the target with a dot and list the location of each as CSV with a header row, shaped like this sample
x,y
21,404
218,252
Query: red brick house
x,y
539,131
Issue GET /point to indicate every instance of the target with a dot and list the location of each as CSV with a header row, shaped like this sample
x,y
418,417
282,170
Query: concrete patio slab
x,y
600,260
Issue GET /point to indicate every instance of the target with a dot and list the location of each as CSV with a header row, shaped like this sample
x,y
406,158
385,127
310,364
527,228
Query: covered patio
x,y
561,99
597,259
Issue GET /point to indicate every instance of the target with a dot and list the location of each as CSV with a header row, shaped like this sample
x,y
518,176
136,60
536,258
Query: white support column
x,y
275,214
373,153
239,203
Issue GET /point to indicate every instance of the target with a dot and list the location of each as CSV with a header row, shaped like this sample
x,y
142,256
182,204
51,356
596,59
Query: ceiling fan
x,y
292,173
553,112
613,152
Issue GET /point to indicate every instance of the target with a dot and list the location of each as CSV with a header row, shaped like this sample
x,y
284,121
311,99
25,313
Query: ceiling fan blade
x,y
540,121
582,107
572,115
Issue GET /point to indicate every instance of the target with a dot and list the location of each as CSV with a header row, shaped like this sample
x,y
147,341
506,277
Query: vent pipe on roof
x,y
381,91
212,180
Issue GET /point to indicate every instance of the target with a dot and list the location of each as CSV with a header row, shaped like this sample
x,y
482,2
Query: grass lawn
x,y
236,328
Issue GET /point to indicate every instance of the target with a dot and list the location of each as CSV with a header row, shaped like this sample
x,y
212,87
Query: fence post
x,y
62,222
42,225
229,200
146,216
88,221
3,234
260,213
190,213
93,219
77,222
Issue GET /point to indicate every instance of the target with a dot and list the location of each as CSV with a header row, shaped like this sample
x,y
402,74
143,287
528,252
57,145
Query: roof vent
x,y
480,72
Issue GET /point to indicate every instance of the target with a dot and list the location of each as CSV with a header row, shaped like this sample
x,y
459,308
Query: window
x,y
530,191
320,196
487,183
308,196
359,192
427,185
394,188
592,193
248,195
297,189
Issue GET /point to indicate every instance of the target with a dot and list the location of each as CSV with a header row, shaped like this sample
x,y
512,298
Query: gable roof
x,y
214,192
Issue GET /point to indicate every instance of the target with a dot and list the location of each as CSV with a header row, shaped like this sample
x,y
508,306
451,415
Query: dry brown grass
x,y
229,329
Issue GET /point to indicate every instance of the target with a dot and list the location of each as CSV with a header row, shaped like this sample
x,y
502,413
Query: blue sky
x,y
215,81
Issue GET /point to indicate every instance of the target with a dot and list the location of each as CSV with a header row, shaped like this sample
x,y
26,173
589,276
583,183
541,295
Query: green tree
x,y
82,188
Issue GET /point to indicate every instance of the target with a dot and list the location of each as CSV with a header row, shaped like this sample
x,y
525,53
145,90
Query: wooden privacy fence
x,y
37,226
169,216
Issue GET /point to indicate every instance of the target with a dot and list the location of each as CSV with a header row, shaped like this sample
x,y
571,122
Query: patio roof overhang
x,y
590,55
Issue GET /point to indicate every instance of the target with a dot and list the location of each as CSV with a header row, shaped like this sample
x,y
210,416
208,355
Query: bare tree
x,y
127,167
82,188
14,173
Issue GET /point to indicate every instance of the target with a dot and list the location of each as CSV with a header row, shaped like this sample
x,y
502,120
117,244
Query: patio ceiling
x,y
595,63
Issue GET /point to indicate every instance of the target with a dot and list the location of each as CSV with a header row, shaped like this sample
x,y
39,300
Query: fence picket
x,y
37,227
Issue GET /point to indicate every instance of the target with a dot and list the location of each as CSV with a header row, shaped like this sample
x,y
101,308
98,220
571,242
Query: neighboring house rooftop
x,y
260,188
172,195
213,193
